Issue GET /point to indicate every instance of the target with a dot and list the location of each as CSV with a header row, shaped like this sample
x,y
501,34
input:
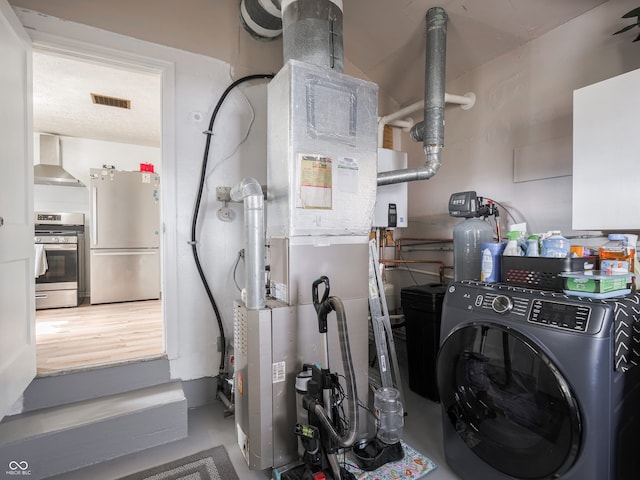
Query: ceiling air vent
x,y
111,101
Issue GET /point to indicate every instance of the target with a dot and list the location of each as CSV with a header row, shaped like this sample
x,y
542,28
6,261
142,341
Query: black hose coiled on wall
x,y
194,221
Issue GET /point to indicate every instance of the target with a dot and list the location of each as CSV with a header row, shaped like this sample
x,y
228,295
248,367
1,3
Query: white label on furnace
x,y
348,175
316,183
277,372
146,177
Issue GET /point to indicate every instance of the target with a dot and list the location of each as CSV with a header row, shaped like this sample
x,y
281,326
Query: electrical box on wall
x,y
391,200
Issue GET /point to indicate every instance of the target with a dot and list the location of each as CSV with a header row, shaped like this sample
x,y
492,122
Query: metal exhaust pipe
x,y
250,191
431,130
311,29
312,32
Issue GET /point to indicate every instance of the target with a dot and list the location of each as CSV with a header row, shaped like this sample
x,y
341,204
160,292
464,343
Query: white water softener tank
x,y
389,414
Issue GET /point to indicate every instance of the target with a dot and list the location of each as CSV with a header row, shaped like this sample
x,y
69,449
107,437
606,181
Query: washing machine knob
x,y
502,304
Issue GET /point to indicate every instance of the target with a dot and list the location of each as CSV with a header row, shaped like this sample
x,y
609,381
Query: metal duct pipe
x,y
250,191
431,130
312,32
261,18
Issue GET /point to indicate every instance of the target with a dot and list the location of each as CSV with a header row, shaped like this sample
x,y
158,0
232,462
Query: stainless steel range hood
x,y
48,169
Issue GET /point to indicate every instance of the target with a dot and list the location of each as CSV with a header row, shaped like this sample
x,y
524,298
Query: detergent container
x,y
490,263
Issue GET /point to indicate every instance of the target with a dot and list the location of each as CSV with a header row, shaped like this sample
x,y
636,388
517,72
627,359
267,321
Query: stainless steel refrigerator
x,y
124,236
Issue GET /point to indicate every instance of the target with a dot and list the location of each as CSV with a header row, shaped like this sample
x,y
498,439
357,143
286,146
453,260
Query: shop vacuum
x,y
322,429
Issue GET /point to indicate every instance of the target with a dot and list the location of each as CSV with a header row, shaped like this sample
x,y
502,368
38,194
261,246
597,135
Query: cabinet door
x,y
606,178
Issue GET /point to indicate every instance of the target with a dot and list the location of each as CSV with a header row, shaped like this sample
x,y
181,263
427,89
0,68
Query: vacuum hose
x,y
349,438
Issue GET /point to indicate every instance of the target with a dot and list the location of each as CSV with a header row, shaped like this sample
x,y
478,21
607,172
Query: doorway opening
x,y
96,136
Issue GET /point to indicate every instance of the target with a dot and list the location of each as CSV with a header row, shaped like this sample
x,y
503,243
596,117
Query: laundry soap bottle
x,y
490,263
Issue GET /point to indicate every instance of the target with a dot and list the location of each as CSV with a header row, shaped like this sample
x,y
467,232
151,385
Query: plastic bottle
x,y
468,237
555,245
533,246
513,249
389,414
491,254
617,254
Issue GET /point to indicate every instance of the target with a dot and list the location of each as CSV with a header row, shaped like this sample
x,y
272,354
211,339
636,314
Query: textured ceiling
x,y
383,39
62,103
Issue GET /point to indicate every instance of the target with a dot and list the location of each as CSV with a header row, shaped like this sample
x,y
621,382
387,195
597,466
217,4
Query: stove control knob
x,y
63,240
56,240
37,239
502,304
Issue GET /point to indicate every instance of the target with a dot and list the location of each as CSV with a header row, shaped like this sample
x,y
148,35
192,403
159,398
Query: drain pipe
x,y
431,130
250,191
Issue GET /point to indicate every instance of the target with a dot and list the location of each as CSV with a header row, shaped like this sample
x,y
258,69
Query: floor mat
x,y
212,464
414,465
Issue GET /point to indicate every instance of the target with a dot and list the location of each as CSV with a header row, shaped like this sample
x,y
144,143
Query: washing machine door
x,y
508,402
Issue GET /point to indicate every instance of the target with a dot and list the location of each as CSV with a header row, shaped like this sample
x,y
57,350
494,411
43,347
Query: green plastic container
x,y
596,282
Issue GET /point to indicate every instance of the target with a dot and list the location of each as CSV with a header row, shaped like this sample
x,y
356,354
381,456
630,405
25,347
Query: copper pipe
x,y
415,239
440,269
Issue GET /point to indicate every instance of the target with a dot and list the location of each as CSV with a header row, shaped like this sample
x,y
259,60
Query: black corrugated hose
x,y
194,221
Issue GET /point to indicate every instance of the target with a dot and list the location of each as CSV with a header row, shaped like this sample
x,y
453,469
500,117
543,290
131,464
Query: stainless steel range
x,y
59,241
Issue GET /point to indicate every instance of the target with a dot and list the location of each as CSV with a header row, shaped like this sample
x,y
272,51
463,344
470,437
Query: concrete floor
x,y
208,427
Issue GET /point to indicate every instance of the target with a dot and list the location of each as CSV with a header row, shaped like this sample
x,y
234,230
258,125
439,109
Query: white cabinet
x,y
606,154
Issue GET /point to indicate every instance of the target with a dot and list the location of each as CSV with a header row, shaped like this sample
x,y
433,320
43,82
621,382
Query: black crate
x,y
542,273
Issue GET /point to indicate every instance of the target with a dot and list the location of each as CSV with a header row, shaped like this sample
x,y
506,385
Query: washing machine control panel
x,y
532,307
560,314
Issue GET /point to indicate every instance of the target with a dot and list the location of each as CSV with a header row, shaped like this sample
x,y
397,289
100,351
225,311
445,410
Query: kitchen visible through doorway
x,y
91,136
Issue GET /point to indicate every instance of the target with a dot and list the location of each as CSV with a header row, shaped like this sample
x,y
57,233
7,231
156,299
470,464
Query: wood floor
x,y
93,335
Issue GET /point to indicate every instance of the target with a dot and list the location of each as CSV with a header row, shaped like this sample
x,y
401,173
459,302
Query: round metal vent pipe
x,y
311,29
312,32
249,191
431,130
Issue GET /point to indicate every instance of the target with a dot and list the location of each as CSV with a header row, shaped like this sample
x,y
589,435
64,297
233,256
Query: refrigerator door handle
x,y
94,215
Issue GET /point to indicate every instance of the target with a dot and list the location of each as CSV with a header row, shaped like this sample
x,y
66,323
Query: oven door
x,y
58,285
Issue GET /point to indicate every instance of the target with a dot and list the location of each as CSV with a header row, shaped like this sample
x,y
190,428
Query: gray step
x,y
55,390
72,436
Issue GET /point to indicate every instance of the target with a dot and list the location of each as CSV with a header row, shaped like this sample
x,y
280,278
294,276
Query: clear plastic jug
x,y
390,414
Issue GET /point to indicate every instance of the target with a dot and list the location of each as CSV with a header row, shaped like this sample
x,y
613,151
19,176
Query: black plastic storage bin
x,y
542,273
422,307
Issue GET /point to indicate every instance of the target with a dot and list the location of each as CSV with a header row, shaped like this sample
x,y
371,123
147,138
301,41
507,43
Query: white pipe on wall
x,y
396,119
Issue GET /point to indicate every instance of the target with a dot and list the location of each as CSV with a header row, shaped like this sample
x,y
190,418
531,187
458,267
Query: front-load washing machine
x,y
529,387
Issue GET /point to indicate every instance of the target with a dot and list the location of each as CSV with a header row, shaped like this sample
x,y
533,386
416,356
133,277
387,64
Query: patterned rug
x,y
213,464
414,465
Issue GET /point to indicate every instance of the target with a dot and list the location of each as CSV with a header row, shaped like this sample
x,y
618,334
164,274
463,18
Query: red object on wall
x,y
146,167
